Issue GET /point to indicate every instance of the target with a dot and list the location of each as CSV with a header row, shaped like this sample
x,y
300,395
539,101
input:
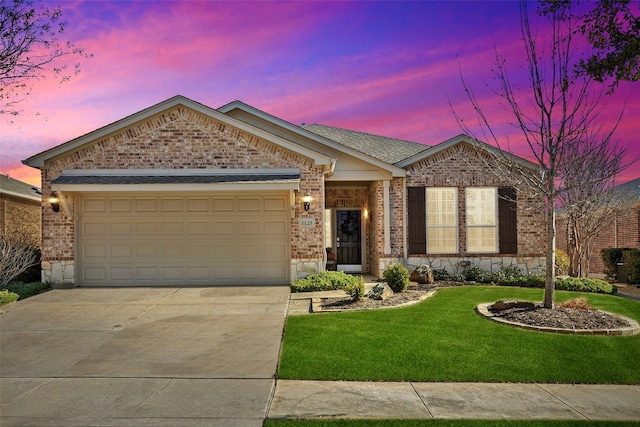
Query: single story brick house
x,y
20,209
181,193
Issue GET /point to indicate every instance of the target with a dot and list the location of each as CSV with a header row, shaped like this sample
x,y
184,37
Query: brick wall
x,y
22,216
464,166
624,232
183,138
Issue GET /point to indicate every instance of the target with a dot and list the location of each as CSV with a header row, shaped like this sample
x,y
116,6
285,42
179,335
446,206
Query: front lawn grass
x,y
447,423
443,339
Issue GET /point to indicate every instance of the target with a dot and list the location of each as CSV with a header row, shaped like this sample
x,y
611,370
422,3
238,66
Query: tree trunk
x,y
549,282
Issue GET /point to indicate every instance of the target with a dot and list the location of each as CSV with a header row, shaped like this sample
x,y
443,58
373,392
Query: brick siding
x,y
183,138
463,166
623,233
21,215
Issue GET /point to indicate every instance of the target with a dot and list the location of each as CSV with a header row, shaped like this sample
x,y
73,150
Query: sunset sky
x,y
387,68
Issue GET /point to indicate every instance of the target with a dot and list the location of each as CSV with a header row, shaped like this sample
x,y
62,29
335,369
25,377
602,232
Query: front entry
x,y
349,241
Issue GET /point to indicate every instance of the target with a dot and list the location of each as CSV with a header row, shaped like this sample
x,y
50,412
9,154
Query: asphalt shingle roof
x,y
388,150
13,186
169,179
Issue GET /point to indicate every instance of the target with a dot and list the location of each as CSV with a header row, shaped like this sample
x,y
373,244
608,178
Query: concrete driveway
x,y
141,356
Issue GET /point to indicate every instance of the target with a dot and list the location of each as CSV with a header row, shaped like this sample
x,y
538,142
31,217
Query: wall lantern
x,y
307,201
54,201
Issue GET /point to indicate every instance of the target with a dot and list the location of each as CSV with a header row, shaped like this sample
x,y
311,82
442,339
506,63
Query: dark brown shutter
x,y
417,233
507,220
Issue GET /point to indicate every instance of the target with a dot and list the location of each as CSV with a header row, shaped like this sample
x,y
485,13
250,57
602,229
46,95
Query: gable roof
x,y
317,137
38,160
17,188
466,139
390,150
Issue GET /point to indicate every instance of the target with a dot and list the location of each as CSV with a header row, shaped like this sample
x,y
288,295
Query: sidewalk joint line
x,y
562,401
154,395
421,399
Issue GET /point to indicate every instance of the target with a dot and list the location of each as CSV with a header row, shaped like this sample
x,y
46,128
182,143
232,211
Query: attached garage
x,y
151,239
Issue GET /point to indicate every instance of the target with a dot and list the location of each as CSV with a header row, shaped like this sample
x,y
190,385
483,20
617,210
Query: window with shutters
x,y
442,220
490,223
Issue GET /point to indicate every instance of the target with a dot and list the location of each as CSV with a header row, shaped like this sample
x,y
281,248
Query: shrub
x,y
26,290
562,263
397,277
525,281
441,274
326,281
6,297
611,257
356,289
580,303
476,274
577,284
631,261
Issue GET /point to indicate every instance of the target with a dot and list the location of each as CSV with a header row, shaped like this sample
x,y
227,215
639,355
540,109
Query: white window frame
x,y
444,226
490,222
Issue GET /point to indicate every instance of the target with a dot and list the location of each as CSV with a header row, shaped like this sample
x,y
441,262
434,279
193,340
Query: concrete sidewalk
x,y
404,400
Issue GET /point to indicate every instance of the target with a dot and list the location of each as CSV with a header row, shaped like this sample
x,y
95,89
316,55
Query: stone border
x,y
483,310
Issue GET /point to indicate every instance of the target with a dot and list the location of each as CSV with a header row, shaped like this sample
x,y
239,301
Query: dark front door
x,y
348,235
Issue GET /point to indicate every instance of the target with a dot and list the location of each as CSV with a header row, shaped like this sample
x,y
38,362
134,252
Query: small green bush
x,y
441,274
326,281
397,277
631,261
7,297
562,262
476,274
356,289
26,290
525,281
611,257
577,284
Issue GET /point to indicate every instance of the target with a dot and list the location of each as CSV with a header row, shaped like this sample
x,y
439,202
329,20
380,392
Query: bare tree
x,y
554,119
590,201
30,49
17,254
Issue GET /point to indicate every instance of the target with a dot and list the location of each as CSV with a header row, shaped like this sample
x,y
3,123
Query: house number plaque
x,y
307,222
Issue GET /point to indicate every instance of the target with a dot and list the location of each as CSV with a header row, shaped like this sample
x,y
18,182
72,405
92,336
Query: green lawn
x,y
445,423
443,339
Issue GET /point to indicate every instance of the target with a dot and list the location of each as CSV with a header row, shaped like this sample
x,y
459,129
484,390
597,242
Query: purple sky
x,y
388,68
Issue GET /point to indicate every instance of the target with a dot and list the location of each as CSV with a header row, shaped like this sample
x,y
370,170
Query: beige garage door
x,y
176,240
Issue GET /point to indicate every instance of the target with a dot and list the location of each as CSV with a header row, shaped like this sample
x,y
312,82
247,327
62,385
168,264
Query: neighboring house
x,y
20,209
181,194
624,231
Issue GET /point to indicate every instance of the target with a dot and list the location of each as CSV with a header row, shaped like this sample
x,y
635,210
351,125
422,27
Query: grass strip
x,y
448,423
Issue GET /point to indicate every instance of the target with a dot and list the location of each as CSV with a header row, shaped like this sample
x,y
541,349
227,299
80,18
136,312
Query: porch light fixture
x,y
307,201
54,201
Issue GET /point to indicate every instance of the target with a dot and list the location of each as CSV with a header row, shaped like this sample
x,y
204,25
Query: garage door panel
x,y
120,205
95,229
150,240
146,204
94,205
198,204
146,228
121,250
120,228
147,273
249,227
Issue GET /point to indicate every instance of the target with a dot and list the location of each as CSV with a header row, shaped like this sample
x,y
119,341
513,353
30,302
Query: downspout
x,y
327,172
404,221
615,230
